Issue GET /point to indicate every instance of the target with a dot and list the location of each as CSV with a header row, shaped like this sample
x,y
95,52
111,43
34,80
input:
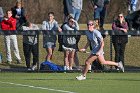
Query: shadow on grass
x,y
53,79
132,68
5,67
20,68
118,79
108,79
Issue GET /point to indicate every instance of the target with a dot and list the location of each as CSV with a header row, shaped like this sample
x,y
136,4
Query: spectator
x,y
136,22
50,40
100,7
30,45
103,14
70,43
19,14
138,5
74,8
120,41
133,4
1,14
67,9
9,23
95,38
67,13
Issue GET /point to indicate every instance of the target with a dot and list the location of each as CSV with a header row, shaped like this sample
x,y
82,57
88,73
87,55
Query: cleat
x,y
120,65
81,77
33,67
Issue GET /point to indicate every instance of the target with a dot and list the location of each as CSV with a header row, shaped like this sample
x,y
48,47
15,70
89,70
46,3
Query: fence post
x,y
38,51
111,47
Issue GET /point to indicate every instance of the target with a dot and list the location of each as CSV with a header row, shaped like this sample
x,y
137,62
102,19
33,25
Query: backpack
x,y
50,66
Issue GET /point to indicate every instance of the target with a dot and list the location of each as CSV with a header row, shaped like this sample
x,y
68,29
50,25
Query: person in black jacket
x,y
120,41
136,22
19,13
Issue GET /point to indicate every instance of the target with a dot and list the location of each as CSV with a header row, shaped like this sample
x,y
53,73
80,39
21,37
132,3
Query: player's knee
x,y
66,56
49,54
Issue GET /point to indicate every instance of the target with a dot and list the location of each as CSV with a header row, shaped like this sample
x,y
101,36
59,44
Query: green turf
x,y
95,82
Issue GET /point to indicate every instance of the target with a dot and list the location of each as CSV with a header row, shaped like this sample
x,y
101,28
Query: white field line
x,y
43,88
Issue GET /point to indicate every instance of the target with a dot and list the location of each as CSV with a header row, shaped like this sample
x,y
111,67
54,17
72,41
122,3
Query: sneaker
x,y
19,61
70,68
81,77
120,65
117,69
33,67
29,69
78,68
67,68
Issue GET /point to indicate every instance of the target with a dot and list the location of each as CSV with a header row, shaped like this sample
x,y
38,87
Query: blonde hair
x,y
123,17
96,24
19,3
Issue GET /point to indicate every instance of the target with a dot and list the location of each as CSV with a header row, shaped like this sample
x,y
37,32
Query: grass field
x,y
66,83
131,54
23,82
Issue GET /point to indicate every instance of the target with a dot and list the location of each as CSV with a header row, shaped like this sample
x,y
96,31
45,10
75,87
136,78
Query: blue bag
x,y
50,66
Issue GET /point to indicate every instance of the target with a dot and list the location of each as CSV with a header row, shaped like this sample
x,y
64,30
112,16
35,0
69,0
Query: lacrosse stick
x,y
87,52
67,49
71,49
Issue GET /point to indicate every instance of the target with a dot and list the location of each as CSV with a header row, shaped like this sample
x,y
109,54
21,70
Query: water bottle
x,y
0,58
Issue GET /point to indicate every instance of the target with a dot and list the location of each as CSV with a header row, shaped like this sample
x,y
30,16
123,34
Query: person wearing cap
x,y
95,38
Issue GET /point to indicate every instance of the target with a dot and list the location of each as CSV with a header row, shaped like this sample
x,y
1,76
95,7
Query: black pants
x,y
28,49
119,51
60,41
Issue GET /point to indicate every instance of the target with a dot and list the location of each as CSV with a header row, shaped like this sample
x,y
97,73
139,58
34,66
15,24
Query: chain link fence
x,y
131,52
